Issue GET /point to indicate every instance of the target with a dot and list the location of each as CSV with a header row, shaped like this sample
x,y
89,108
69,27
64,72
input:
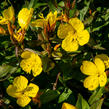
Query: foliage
x,y
60,47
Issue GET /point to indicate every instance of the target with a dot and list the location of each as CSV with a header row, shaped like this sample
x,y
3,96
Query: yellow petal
x,y
23,101
37,69
91,82
99,64
26,65
88,68
9,13
26,54
31,90
24,17
68,106
102,79
104,58
69,44
3,20
20,83
39,23
76,24
11,91
51,18
63,30
83,37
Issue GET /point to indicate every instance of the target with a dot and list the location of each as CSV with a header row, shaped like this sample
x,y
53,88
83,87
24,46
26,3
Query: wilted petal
x,y
9,13
39,23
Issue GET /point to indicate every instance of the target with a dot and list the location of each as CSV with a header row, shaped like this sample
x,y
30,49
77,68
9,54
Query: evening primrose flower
x,y
24,17
31,61
68,106
74,36
8,16
96,73
2,31
43,22
22,91
104,58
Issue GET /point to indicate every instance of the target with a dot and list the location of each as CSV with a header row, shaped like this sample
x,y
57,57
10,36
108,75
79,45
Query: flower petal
x,y
88,68
76,24
23,101
69,44
24,17
102,79
91,82
31,90
104,58
83,37
68,106
20,83
9,13
11,91
99,64
63,30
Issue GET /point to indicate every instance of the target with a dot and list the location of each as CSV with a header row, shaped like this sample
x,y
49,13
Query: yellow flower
x,y
24,17
43,22
68,106
31,61
22,91
8,16
104,58
73,34
96,74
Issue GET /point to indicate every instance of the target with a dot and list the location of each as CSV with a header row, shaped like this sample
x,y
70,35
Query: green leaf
x,y
31,3
64,96
48,96
96,96
6,70
98,104
84,10
82,103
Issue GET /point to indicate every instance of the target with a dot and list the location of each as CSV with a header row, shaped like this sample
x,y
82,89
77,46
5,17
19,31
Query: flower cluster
x,y
96,73
73,34
31,61
22,91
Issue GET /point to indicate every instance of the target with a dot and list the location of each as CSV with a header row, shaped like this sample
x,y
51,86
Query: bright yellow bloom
x,y
68,106
24,17
31,61
43,22
74,35
96,74
8,16
22,91
105,59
